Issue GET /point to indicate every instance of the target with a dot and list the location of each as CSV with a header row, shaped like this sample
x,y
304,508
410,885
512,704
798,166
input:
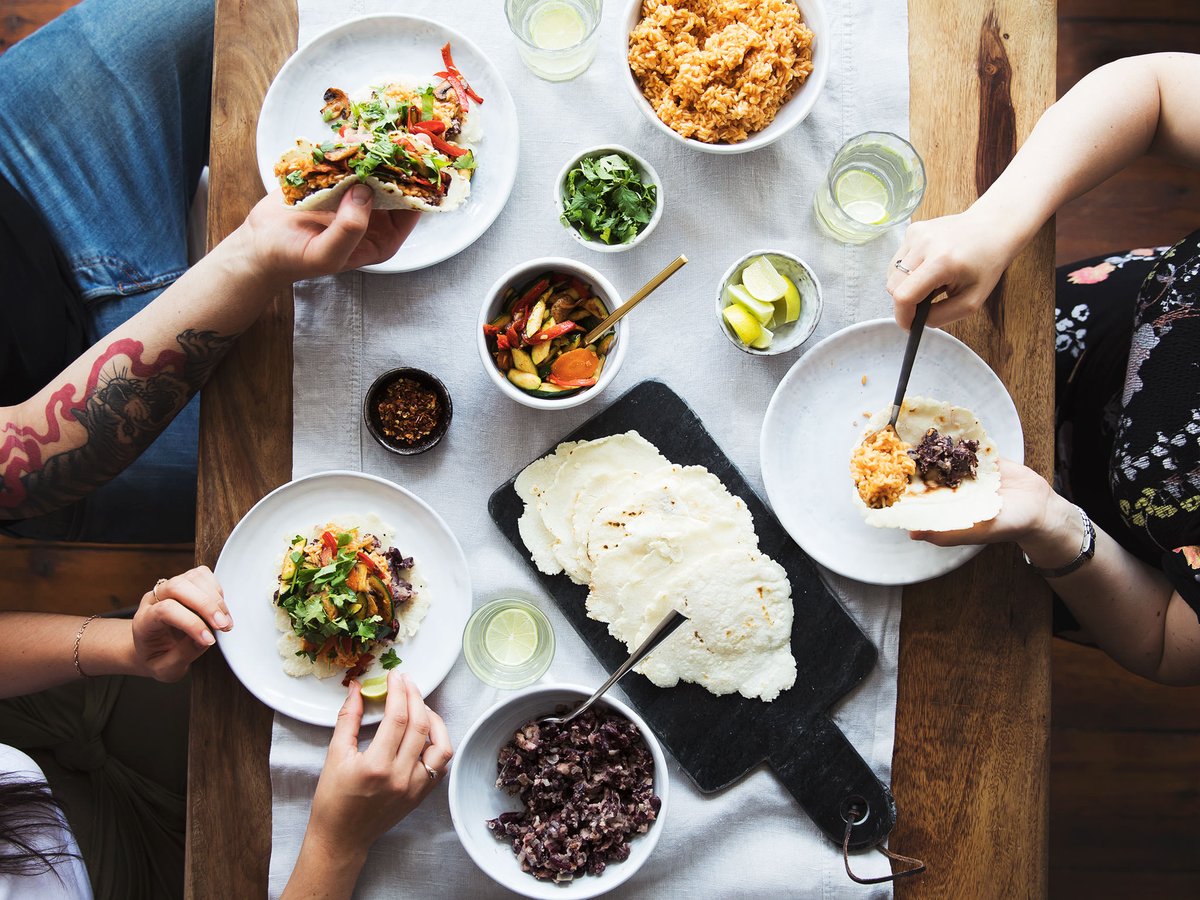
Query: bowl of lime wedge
x,y
768,302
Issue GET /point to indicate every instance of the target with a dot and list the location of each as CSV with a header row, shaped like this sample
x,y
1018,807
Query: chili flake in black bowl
x,y
407,410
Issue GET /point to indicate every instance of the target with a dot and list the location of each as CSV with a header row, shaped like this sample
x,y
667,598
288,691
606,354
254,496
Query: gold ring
x,y
154,590
433,773
903,268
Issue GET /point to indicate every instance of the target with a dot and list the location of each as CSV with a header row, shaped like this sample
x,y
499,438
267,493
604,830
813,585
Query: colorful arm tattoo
x,y
124,405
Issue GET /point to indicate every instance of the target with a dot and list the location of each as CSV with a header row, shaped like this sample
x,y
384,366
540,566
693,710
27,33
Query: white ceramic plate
x,y
816,417
374,49
248,569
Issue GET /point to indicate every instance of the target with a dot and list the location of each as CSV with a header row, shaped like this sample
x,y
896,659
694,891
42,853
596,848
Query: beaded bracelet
x,y
78,638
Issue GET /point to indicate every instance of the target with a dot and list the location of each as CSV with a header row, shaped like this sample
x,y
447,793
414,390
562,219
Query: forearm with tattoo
x,y
90,434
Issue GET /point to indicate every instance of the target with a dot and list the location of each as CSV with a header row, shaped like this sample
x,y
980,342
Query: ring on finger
x,y
434,774
903,268
154,590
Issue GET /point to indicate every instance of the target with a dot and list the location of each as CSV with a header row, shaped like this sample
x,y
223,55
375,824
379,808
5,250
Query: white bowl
x,y
492,307
793,334
649,176
474,797
790,114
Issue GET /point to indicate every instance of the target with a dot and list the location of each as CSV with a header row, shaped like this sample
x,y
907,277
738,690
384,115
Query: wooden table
x,y
972,720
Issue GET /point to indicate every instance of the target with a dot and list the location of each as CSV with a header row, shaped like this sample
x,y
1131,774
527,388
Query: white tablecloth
x,y
752,840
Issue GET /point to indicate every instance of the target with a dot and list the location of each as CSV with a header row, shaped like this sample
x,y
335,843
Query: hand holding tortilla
x,y
935,472
413,146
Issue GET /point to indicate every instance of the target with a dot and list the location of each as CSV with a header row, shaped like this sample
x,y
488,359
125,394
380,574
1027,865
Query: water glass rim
x,y
514,28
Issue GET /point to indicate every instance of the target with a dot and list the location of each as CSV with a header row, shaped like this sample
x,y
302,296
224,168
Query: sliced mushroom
x,y
337,154
337,105
561,306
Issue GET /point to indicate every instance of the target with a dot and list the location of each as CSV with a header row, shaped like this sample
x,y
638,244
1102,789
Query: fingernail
x,y
208,638
360,194
222,620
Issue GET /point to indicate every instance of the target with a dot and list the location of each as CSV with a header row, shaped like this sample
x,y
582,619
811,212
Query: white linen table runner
x,y
753,839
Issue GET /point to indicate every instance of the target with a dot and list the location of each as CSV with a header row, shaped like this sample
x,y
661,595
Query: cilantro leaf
x,y
606,200
389,660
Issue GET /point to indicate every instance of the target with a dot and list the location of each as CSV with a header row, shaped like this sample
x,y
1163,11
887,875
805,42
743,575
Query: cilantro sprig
x,y
606,200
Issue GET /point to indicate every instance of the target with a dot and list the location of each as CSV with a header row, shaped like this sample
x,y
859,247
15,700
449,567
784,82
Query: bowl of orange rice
x,y
730,79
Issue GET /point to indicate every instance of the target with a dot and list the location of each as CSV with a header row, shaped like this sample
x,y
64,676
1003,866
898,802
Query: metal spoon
x,y
910,353
643,292
660,633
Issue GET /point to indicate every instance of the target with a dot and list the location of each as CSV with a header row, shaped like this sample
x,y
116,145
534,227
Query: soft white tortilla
x,y
925,507
389,196
738,601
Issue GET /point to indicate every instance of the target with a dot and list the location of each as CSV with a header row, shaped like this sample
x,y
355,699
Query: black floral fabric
x,y
1128,402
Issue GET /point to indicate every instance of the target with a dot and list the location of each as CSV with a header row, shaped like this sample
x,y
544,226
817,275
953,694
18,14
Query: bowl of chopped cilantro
x,y
609,198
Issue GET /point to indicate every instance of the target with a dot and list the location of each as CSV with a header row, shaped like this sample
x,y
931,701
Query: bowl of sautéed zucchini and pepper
x,y
532,330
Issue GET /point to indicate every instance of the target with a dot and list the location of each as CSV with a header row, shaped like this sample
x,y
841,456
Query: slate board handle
x,y
824,772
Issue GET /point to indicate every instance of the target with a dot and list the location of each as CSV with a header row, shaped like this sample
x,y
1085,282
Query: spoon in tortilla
x,y
910,353
660,633
642,293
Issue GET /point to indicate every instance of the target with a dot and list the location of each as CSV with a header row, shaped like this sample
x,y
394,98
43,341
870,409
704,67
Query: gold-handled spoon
x,y
642,293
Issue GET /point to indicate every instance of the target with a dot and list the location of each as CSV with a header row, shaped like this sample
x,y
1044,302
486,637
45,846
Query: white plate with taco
x,y
406,105
850,507
335,575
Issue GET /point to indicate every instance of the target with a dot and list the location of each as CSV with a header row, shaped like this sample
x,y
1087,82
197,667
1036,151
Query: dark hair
x,y
27,811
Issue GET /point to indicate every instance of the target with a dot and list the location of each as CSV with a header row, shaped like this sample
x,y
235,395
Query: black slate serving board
x,y
717,740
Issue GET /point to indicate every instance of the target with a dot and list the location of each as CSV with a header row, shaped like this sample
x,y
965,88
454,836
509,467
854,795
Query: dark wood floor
x,y
1125,754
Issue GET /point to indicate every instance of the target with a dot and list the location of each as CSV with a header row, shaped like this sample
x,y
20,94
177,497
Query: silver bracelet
x,y
78,638
1086,551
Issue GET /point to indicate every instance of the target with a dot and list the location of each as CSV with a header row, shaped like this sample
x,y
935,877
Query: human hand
x,y
171,626
1045,525
965,253
364,794
284,244
1024,495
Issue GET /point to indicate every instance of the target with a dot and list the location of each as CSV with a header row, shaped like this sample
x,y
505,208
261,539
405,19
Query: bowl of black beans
x,y
559,811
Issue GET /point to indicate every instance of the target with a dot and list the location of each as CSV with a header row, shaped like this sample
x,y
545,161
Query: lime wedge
x,y
764,340
863,196
747,328
761,280
787,307
736,293
511,637
374,688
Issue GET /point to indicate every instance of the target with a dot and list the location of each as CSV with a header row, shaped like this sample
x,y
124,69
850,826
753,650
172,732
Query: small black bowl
x,y
371,414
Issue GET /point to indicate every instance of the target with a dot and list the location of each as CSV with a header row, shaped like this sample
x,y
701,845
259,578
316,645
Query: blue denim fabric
x,y
104,129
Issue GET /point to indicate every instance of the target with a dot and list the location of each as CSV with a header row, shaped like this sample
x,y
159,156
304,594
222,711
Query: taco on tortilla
x,y
414,146
937,472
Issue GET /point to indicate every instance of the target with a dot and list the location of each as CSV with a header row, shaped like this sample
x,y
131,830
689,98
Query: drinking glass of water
x,y
556,38
876,180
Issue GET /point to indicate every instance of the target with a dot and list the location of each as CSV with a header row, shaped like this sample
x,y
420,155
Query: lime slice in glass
x,y
761,280
862,196
374,688
736,293
511,637
747,328
556,26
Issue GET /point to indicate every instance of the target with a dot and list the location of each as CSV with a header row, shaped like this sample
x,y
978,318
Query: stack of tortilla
x,y
647,536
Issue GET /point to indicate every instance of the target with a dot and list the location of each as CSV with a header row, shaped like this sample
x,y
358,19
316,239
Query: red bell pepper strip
x,y
447,59
513,335
556,330
453,69
433,126
570,382
490,330
449,149
369,563
414,116
455,82
502,342
527,299
328,548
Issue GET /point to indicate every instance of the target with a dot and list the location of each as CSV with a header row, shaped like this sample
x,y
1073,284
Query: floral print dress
x,y
1128,403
